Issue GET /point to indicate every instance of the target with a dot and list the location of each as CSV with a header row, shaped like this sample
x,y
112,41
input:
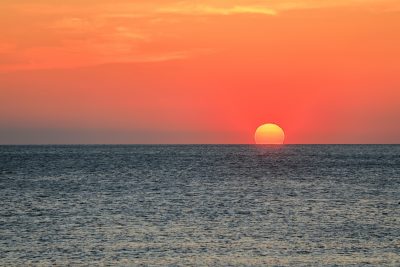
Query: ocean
x,y
200,205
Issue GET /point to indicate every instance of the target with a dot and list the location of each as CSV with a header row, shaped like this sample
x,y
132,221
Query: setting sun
x,y
269,134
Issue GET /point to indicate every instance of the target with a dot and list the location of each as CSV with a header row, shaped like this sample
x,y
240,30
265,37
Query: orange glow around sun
x,y
269,134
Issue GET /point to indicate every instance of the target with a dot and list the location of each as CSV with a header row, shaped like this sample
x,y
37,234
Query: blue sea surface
x,y
200,205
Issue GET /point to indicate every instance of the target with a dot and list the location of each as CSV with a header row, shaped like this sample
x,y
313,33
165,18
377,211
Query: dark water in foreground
x,y
200,205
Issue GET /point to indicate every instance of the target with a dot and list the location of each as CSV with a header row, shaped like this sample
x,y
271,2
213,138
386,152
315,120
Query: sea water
x,y
200,205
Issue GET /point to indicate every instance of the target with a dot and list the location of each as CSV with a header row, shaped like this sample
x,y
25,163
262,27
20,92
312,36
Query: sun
x,y
269,134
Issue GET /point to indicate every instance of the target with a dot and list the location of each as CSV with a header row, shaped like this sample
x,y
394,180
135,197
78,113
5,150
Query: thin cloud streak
x,y
211,10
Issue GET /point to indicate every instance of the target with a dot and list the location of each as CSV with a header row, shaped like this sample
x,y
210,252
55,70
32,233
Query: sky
x,y
199,72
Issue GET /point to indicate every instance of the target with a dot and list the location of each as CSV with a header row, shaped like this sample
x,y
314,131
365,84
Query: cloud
x,y
212,10
78,32
72,23
129,34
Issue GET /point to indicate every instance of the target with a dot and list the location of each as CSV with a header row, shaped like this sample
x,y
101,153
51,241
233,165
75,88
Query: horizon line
x,y
187,144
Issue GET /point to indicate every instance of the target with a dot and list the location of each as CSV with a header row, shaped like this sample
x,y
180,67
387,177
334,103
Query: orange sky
x,y
168,71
